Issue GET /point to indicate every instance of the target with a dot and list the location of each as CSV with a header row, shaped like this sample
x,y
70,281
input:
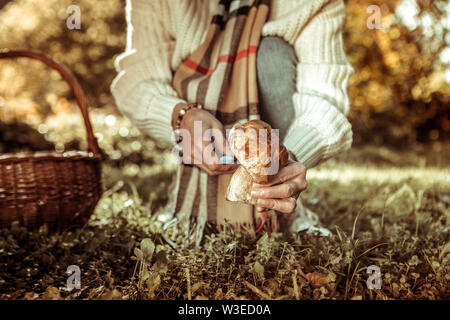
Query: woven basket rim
x,y
47,155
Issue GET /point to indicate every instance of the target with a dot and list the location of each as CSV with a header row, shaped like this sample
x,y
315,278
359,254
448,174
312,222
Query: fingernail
x,y
226,160
261,203
257,193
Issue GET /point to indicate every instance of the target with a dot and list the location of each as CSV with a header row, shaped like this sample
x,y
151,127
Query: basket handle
x,y
73,83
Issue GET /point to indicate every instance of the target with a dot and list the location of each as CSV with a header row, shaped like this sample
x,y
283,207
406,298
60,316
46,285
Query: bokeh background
x,y
400,92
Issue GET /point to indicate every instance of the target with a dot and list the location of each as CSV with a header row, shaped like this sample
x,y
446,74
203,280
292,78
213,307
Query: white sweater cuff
x,y
159,118
319,131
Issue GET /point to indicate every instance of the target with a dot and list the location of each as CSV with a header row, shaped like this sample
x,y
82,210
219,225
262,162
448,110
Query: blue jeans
x,y
276,64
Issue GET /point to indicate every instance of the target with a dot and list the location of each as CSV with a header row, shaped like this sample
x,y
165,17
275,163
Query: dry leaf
x,y
317,279
51,293
111,295
259,269
219,294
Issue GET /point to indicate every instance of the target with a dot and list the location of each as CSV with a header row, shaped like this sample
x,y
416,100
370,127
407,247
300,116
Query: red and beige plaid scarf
x,y
221,76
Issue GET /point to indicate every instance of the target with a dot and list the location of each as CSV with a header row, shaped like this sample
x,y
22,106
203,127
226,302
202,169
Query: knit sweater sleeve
x,y
320,129
142,88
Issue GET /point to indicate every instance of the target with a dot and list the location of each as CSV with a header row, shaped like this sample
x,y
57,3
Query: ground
x,y
385,207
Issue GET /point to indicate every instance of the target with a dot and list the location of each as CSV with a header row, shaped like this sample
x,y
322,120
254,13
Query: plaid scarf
x,y
221,76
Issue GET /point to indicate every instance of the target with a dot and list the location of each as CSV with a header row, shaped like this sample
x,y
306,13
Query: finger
x,y
260,208
220,143
208,171
289,172
286,205
202,155
280,191
212,161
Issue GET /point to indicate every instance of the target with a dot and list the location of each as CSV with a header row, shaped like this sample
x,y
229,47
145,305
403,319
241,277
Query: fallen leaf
x,y
51,293
219,294
259,269
111,295
317,279
147,248
403,201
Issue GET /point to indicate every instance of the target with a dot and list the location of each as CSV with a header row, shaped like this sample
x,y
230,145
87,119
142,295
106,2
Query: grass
x,y
385,207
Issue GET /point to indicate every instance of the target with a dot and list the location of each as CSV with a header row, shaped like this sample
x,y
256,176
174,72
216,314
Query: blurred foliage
x,y
398,91
40,25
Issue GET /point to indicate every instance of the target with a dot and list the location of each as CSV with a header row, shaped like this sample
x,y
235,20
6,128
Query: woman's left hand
x,y
282,191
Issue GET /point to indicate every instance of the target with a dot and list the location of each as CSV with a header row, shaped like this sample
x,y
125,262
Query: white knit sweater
x,y
162,33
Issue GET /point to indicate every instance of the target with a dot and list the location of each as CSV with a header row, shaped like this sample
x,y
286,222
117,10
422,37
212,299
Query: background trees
x,y
399,92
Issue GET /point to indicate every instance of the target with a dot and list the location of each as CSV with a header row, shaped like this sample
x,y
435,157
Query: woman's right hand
x,y
204,141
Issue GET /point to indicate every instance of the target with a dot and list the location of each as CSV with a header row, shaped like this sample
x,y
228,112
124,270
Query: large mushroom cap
x,y
258,149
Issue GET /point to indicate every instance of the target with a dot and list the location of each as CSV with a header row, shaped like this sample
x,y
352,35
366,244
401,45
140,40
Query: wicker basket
x,y
57,189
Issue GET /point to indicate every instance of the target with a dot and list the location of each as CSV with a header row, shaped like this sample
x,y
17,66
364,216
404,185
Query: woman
x,y
220,62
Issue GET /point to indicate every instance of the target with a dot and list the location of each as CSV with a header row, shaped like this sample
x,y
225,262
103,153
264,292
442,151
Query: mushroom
x,y
260,154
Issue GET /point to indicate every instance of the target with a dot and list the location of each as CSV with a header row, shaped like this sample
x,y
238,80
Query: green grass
x,y
385,207
406,235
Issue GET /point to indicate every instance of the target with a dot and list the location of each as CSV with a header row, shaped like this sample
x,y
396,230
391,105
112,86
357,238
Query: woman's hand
x,y
282,191
207,147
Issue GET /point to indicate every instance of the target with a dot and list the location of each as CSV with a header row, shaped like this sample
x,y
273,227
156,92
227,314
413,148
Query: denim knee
x,y
276,73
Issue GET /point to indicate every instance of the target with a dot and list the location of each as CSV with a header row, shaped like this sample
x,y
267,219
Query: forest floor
x,y
386,208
